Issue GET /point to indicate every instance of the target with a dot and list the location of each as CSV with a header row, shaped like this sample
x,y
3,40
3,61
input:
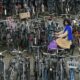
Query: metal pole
x,y
23,70
62,2
4,73
62,6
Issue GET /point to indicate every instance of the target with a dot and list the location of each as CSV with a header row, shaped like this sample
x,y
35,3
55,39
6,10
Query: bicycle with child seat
x,y
19,67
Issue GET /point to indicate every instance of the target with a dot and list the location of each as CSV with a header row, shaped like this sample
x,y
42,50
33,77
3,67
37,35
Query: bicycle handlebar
x,y
18,51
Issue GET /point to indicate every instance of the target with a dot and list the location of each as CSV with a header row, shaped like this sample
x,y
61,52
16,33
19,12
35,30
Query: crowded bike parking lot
x,y
33,50
39,40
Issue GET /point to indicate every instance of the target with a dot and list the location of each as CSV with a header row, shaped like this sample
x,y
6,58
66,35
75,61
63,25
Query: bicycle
x,y
58,64
19,67
37,61
61,68
49,70
2,66
73,64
